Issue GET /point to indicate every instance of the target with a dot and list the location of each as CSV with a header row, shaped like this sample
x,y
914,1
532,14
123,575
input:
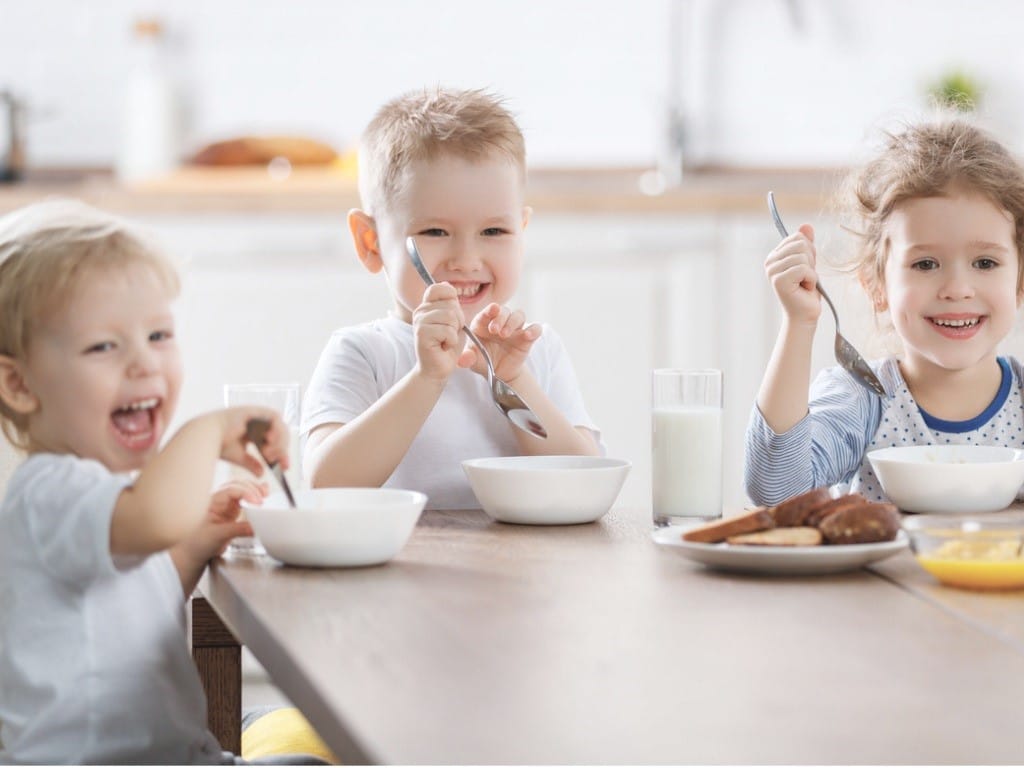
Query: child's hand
x,y
508,340
218,527
790,268
233,443
437,324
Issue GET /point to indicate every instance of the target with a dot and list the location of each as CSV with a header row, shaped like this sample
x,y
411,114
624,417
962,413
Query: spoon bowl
x,y
505,398
846,355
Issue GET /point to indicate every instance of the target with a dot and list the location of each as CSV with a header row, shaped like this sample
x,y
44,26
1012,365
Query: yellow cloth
x,y
283,732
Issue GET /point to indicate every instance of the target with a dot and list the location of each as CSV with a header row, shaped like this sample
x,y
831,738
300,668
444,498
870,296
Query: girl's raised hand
x,y
437,325
508,338
790,269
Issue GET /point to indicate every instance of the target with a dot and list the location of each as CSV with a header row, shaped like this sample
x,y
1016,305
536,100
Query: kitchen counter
x,y
582,191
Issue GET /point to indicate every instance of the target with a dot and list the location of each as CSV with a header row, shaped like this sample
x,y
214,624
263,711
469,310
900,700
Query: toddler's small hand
x,y
234,443
508,339
437,326
222,523
790,269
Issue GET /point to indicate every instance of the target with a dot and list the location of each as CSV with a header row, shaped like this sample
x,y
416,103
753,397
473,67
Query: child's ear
x,y
876,292
364,236
14,390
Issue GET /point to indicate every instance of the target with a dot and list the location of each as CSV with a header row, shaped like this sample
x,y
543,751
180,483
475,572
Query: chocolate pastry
x,y
863,523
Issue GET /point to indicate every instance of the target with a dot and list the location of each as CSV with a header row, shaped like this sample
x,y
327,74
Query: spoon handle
x,y
417,262
256,433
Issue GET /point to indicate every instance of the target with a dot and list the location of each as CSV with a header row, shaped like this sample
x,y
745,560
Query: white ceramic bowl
x,y
546,490
337,526
949,479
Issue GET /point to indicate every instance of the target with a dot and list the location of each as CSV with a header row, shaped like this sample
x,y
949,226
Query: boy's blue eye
x,y
433,232
103,346
493,231
161,335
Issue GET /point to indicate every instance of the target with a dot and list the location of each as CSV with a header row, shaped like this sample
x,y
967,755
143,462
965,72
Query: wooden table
x,y
490,643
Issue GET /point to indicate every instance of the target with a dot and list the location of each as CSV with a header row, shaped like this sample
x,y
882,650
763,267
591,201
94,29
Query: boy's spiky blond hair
x,y
423,125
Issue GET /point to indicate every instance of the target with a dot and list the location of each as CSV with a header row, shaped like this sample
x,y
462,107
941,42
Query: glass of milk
x,y
285,398
686,445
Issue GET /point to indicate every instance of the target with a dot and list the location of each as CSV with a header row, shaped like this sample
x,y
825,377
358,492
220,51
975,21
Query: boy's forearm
x,y
784,390
169,497
366,451
563,438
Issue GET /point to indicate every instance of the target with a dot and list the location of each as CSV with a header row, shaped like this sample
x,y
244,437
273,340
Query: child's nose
x,y
143,361
462,256
957,285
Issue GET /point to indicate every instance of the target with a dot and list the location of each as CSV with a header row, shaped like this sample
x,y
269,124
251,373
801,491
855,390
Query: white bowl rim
x,y
386,498
558,463
904,454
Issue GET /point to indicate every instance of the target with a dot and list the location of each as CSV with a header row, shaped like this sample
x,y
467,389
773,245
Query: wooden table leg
x,y
218,656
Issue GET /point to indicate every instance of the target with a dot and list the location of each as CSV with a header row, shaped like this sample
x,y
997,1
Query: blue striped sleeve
x,y
824,448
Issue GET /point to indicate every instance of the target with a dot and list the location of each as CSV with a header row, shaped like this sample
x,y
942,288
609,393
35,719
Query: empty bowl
x,y
949,479
337,526
973,551
546,490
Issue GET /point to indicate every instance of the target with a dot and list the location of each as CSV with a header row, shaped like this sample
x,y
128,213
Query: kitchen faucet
x,y
676,135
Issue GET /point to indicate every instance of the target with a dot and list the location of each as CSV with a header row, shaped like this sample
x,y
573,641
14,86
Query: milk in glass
x,y
686,444
687,461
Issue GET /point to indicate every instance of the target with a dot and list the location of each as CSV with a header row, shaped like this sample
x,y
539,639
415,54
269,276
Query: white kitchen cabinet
x,y
626,293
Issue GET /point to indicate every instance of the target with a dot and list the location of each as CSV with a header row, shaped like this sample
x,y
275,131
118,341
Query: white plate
x,y
804,561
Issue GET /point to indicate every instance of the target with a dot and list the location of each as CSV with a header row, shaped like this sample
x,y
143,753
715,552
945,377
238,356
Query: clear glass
x,y
286,399
686,445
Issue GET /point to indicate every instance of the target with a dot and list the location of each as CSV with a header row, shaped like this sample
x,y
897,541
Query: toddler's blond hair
x,y
46,249
422,125
929,159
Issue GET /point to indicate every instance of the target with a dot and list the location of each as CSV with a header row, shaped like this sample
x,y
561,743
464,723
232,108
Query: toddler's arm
x,y
171,494
366,451
783,396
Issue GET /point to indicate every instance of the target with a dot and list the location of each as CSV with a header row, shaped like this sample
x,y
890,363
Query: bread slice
x,y
795,536
819,514
795,511
710,533
865,523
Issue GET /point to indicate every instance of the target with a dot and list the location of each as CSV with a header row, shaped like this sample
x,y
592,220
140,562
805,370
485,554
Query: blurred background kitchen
x,y
653,131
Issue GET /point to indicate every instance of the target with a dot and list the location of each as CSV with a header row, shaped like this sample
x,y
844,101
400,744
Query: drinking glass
x,y
686,445
285,398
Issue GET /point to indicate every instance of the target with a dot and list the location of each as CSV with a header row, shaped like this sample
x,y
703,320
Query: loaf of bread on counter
x,y
260,150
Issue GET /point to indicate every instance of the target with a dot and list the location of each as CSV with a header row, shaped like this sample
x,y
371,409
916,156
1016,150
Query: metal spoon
x,y
507,399
256,433
848,357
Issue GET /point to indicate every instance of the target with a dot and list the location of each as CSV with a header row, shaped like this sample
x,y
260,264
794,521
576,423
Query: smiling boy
x,y
401,401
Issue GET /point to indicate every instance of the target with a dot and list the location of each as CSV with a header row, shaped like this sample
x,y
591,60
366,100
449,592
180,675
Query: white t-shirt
x,y
94,660
361,363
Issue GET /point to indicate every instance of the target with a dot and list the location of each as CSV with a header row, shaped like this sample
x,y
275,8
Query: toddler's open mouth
x,y
135,423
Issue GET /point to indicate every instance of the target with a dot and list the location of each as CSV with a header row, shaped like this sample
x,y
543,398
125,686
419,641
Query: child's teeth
x,y
142,405
957,323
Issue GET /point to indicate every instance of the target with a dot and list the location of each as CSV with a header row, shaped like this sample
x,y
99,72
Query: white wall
x,y
588,78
